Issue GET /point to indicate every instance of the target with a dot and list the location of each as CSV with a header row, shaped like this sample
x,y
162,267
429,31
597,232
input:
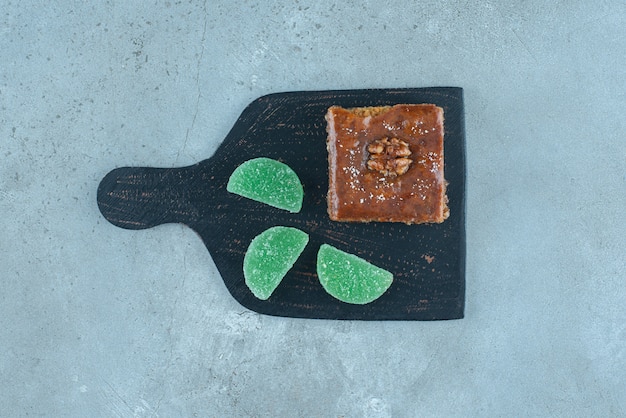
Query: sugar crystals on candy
x,y
270,256
350,278
268,181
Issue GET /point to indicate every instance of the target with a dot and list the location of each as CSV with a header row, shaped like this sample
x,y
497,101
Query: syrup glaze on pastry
x,y
386,164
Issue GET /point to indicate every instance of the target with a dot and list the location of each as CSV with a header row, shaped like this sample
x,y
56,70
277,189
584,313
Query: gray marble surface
x,y
98,321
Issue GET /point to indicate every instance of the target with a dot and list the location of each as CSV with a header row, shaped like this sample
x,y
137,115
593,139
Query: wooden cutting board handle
x,y
143,197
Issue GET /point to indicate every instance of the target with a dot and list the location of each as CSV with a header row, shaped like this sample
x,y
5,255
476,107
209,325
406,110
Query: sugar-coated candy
x,y
270,256
350,278
268,181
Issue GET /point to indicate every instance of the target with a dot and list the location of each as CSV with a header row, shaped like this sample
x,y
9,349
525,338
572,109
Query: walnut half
x,y
389,156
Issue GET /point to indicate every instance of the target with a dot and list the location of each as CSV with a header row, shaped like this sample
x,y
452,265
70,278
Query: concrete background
x,y
98,321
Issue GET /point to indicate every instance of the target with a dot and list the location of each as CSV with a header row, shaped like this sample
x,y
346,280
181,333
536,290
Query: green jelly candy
x,y
268,181
350,278
270,256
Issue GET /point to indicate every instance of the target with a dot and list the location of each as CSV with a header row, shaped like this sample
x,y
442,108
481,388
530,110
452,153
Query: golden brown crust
x,y
368,111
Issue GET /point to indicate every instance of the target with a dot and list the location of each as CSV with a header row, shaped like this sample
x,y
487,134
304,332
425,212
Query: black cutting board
x,y
427,261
